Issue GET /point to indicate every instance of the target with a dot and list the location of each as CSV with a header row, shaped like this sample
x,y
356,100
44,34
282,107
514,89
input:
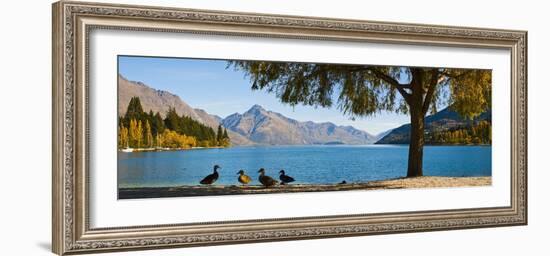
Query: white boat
x,y
127,150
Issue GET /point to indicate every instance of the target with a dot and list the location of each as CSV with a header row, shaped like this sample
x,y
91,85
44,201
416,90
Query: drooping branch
x,y
363,89
434,81
392,82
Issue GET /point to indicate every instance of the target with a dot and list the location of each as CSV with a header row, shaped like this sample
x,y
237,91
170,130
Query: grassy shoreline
x,y
214,190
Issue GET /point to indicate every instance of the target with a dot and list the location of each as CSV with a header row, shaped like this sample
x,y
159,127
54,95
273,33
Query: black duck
x,y
211,178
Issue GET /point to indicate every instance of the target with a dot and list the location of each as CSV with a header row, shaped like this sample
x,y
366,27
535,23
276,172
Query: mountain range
x,y
444,120
160,101
271,128
255,126
258,126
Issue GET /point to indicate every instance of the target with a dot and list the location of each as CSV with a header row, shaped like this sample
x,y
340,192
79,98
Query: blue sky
x,y
209,85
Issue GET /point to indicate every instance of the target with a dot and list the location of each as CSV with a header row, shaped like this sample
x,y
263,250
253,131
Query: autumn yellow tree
x,y
133,133
119,138
172,139
148,135
159,140
139,133
122,137
136,133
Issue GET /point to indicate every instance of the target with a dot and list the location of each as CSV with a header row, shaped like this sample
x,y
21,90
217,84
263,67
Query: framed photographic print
x,y
178,127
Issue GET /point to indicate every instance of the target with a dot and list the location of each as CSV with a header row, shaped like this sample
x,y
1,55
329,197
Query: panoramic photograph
x,y
213,127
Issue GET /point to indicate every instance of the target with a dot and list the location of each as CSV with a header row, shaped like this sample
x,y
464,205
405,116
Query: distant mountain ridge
x,y
443,120
271,128
255,126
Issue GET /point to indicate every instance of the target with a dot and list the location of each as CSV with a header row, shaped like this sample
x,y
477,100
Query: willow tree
x,y
362,90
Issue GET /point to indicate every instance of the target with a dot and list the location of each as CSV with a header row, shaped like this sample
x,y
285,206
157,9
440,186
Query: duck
x,y
343,182
243,178
266,180
285,178
211,178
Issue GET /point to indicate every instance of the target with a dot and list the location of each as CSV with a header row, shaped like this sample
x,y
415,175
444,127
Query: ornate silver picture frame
x,y
74,21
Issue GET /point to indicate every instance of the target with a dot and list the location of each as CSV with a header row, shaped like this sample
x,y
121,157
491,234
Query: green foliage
x,y
188,126
359,91
363,90
172,120
157,123
219,134
222,137
134,110
138,129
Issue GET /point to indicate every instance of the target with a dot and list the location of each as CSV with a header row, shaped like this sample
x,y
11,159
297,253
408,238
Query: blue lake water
x,y
307,164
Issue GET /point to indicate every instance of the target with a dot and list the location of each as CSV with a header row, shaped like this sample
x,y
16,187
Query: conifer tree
x,y
157,124
172,120
219,135
225,136
134,110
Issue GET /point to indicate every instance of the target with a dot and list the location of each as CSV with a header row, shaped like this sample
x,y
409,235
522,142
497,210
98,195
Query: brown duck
x,y
266,180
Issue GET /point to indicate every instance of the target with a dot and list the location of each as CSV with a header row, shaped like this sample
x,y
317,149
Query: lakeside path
x,y
214,190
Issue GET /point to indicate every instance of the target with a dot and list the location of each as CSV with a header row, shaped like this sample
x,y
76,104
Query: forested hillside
x,y
138,129
446,127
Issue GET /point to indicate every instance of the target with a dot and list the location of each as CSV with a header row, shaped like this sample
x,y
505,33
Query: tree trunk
x,y
416,146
